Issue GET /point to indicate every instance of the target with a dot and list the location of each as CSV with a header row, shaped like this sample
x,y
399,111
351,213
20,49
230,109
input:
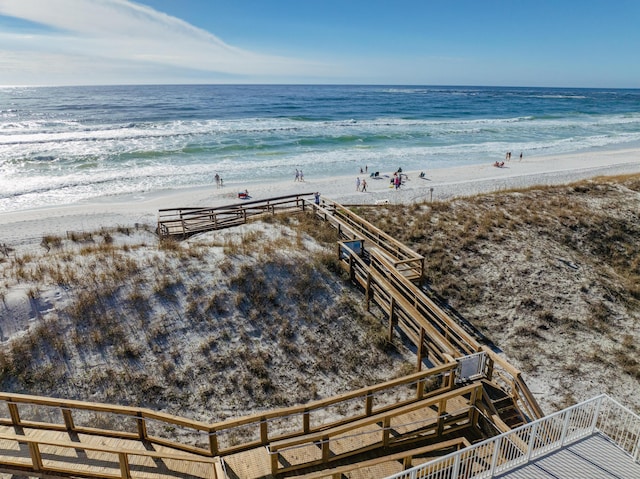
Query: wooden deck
x,y
187,221
57,453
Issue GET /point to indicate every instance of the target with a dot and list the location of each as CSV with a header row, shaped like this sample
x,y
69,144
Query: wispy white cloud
x,y
133,39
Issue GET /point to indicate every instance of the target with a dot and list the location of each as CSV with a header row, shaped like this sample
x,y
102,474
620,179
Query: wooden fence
x,y
351,226
438,338
434,417
58,457
187,221
225,437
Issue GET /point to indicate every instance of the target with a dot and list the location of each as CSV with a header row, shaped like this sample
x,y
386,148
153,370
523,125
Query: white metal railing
x,y
486,459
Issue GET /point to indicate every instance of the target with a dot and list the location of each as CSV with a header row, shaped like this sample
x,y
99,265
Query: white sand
x,y
27,227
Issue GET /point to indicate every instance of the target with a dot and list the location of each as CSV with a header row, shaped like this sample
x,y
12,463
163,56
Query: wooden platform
x,y
396,433
34,452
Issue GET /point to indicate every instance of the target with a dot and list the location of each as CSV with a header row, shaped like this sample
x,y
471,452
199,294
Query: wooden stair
x,y
502,405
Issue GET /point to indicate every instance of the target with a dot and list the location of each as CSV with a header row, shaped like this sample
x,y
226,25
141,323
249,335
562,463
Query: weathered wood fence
x,y
186,221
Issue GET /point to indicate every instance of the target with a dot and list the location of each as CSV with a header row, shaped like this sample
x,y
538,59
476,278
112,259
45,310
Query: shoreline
x,y
27,226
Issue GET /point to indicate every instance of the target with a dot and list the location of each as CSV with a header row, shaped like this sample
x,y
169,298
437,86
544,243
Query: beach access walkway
x,y
461,395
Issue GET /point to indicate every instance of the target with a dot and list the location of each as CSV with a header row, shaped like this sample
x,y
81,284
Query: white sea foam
x,y
60,147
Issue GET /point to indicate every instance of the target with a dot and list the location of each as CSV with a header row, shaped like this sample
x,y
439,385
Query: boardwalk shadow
x,y
443,304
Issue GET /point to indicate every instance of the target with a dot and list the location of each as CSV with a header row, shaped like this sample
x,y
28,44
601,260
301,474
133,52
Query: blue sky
x,y
587,43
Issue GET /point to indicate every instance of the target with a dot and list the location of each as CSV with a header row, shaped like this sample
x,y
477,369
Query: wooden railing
x,y
110,462
186,221
386,280
405,260
427,311
433,417
25,411
236,435
510,379
438,337
225,437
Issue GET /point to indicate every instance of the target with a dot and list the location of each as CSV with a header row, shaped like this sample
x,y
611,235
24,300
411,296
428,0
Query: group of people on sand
x,y
507,157
361,185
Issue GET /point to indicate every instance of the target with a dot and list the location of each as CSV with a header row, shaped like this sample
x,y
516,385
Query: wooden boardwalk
x,y
460,390
38,451
187,221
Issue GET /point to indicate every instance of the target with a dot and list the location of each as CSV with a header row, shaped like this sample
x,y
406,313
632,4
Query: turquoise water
x,y
70,144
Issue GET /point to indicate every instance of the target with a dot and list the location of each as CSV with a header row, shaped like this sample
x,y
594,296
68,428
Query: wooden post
x,y
274,463
392,305
213,442
368,290
68,419
420,347
125,471
142,427
442,410
368,405
420,389
386,432
306,421
326,449
36,458
264,432
14,413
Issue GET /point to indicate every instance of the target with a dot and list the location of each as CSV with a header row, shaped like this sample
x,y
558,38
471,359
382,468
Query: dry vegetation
x,y
259,316
551,275
217,326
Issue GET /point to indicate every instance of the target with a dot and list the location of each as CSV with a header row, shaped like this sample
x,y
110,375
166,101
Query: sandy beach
x,y
28,226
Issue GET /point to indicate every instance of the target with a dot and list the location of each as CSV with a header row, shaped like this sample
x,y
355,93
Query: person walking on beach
x,y
520,156
217,178
301,176
364,185
297,175
358,183
316,197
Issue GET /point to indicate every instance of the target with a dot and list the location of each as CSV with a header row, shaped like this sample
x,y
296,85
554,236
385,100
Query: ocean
x,y
64,145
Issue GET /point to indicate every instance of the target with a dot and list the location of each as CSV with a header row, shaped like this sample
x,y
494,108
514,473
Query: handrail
x,y
193,209
381,435
426,383
370,400
186,221
124,465
378,237
501,369
551,433
465,343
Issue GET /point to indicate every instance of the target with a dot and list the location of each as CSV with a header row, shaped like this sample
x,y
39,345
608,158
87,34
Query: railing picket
x,y
36,458
68,419
125,469
14,413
